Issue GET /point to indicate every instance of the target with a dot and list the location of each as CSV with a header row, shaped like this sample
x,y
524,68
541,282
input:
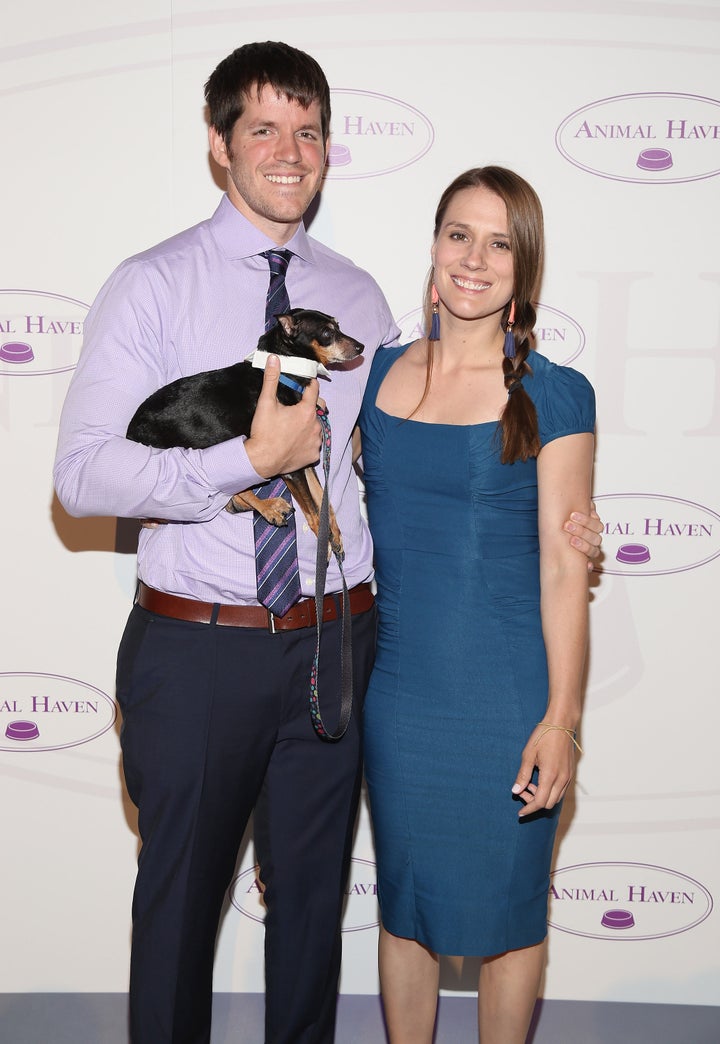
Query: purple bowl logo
x,y
40,712
618,920
373,134
557,335
655,138
625,901
40,332
647,534
361,911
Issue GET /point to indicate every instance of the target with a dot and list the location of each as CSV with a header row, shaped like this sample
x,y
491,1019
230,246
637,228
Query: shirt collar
x,y
239,238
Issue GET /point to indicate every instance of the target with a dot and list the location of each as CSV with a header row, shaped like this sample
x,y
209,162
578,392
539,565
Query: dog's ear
x,y
288,324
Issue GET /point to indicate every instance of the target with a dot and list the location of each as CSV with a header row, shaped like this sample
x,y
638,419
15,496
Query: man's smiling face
x,y
274,160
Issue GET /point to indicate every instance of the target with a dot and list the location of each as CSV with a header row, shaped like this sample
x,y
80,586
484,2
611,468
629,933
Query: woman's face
x,y
471,256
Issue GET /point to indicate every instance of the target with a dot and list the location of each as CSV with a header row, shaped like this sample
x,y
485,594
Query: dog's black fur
x,y
210,407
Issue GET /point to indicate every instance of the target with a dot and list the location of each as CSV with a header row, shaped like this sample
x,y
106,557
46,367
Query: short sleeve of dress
x,y
564,399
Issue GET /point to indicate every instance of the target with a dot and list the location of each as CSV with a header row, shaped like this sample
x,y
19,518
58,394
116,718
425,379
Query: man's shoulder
x,y
180,245
326,257
160,270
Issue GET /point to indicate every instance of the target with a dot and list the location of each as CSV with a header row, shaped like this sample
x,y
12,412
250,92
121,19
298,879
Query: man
x,y
215,699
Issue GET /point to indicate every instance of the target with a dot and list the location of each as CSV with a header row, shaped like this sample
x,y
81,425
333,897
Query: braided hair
x,y
518,422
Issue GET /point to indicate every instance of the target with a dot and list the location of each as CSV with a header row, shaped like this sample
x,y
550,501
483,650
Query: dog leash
x,y
321,562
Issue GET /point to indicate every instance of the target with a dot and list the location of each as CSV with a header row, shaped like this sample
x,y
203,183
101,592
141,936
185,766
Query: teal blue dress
x,y
460,678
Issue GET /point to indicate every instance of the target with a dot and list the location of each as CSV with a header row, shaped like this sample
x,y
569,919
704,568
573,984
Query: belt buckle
x,y
271,622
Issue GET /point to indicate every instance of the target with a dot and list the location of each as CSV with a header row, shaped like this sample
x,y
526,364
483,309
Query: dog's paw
x,y
276,510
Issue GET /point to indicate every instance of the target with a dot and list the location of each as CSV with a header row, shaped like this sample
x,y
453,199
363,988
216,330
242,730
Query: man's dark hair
x,y
248,69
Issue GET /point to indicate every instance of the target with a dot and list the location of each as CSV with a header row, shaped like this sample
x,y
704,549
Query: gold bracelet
x,y
546,726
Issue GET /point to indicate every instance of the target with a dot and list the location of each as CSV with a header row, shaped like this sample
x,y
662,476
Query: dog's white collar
x,y
289,364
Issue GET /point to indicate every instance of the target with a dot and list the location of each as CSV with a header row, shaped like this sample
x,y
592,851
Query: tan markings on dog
x,y
309,495
275,510
341,350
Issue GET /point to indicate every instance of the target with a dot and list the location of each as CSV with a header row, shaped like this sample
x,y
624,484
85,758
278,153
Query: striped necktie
x,y
276,561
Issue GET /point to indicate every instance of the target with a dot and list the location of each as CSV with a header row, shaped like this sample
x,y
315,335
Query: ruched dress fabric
x,y
460,678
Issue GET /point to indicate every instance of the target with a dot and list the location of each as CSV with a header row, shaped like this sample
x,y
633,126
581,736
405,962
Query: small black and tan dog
x,y
210,407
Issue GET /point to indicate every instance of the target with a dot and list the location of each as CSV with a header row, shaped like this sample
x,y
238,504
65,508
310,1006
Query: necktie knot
x,y
278,260
277,301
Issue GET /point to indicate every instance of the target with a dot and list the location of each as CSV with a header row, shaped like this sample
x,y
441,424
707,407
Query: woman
x,y
474,453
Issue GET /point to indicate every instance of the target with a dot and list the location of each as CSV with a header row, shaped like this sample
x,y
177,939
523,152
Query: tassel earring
x,y
509,345
435,324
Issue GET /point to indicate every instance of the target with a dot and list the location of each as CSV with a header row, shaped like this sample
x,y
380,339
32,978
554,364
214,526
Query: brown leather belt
x,y
302,613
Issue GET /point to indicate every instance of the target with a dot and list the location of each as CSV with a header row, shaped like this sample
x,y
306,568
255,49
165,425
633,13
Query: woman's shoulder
x,y
564,398
386,355
382,361
549,378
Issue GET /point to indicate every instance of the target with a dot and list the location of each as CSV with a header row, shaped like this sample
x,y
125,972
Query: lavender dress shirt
x,y
192,303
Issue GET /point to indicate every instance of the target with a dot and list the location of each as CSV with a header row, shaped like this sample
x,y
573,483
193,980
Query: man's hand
x,y
283,438
585,533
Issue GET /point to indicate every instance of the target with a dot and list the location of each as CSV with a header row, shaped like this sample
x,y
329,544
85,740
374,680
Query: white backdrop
x,y
612,111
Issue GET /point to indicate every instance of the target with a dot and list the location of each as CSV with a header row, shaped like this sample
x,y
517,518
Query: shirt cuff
x,y
228,467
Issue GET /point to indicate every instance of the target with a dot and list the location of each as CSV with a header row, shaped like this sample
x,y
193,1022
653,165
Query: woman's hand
x,y
552,751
